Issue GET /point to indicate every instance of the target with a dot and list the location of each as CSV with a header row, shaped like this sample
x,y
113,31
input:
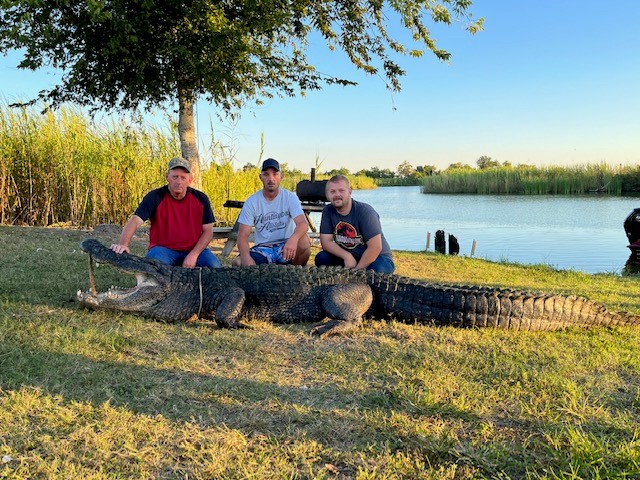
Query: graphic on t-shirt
x,y
347,236
272,221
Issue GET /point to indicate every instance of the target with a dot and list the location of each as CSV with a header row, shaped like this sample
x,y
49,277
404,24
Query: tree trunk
x,y
187,132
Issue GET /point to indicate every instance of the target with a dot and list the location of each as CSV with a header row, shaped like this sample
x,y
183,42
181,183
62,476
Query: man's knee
x,y
302,256
383,264
327,259
165,255
303,251
257,258
208,259
302,259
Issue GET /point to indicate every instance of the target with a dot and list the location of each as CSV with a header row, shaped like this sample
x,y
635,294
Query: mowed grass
x,y
97,395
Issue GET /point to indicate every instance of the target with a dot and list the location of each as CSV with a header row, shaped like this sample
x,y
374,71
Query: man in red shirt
x,y
181,221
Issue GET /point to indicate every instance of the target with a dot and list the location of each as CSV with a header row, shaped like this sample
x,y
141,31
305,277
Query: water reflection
x,y
583,233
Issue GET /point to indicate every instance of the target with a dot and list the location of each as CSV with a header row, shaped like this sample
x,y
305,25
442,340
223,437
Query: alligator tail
x,y
411,300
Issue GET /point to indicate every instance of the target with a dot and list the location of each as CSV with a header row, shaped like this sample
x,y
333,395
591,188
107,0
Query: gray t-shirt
x,y
352,231
273,220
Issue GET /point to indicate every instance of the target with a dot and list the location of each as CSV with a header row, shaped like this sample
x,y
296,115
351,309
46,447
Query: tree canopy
x,y
405,169
485,162
127,54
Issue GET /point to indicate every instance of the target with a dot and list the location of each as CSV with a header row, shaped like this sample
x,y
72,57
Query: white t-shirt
x,y
273,220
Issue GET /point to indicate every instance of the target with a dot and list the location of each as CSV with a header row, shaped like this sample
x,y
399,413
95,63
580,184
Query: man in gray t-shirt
x,y
280,225
350,232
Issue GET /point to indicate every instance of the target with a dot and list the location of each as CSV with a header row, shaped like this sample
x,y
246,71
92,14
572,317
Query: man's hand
x,y
350,261
289,249
190,260
119,248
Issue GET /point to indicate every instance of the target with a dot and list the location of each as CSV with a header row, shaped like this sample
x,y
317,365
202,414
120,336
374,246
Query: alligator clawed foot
x,y
323,329
233,325
239,325
334,327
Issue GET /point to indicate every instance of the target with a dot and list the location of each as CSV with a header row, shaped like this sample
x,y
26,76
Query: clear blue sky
x,y
548,82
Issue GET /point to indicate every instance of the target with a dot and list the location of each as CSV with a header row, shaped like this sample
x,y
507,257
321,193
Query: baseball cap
x,y
270,163
179,162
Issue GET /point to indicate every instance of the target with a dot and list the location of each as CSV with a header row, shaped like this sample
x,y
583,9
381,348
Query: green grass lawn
x,y
96,395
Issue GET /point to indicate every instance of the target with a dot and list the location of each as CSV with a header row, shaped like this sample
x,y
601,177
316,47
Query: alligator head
x,y
153,281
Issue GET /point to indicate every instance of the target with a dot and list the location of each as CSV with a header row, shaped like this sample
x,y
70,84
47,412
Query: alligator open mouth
x,y
152,278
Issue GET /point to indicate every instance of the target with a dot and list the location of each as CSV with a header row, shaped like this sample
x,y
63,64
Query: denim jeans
x,y
382,264
173,257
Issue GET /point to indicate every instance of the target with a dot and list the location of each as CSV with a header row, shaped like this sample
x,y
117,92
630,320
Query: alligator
x,y
336,297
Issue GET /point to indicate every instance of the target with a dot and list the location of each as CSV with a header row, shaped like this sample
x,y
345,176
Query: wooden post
x,y
440,242
473,248
428,241
454,246
313,175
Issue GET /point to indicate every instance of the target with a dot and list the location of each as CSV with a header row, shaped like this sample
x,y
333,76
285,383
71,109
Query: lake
x,y
583,233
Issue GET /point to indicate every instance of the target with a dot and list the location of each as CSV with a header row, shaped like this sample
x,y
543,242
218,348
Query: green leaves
x,y
121,54
126,54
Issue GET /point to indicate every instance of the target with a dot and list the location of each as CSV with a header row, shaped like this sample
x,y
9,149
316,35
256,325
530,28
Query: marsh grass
x,y
527,180
64,168
110,395
60,168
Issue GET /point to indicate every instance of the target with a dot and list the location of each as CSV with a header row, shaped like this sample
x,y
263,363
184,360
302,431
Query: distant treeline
x,y
529,180
398,181
64,169
493,177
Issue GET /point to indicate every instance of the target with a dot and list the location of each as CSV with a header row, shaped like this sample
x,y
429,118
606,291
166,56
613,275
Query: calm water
x,y
568,232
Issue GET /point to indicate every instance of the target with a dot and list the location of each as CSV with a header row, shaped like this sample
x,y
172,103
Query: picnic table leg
x,y
232,239
310,222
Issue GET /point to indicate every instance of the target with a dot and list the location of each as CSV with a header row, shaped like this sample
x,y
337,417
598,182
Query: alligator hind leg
x,y
228,305
344,305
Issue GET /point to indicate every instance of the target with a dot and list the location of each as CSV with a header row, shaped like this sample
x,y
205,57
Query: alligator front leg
x,y
227,305
344,305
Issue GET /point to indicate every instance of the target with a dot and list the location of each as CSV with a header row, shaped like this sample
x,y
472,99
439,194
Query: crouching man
x,y
350,232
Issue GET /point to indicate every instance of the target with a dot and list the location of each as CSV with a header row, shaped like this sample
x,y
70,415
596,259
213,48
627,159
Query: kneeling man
x,y
280,224
350,232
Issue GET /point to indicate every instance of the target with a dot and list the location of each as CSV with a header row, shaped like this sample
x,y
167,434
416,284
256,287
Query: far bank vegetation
x,y
492,177
64,168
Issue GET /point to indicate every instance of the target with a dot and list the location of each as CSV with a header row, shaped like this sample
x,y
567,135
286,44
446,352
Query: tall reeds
x,y
61,168
527,180
64,168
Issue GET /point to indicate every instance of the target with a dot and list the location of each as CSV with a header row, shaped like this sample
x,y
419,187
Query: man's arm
x,y
243,245
291,246
329,245
374,247
191,259
128,231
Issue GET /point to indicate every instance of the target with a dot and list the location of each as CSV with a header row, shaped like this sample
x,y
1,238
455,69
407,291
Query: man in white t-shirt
x,y
280,225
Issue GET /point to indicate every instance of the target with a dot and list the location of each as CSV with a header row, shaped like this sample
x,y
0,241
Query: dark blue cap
x,y
270,163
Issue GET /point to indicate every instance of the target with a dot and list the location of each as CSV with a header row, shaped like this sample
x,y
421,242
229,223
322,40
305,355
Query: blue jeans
x,y
382,264
175,258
